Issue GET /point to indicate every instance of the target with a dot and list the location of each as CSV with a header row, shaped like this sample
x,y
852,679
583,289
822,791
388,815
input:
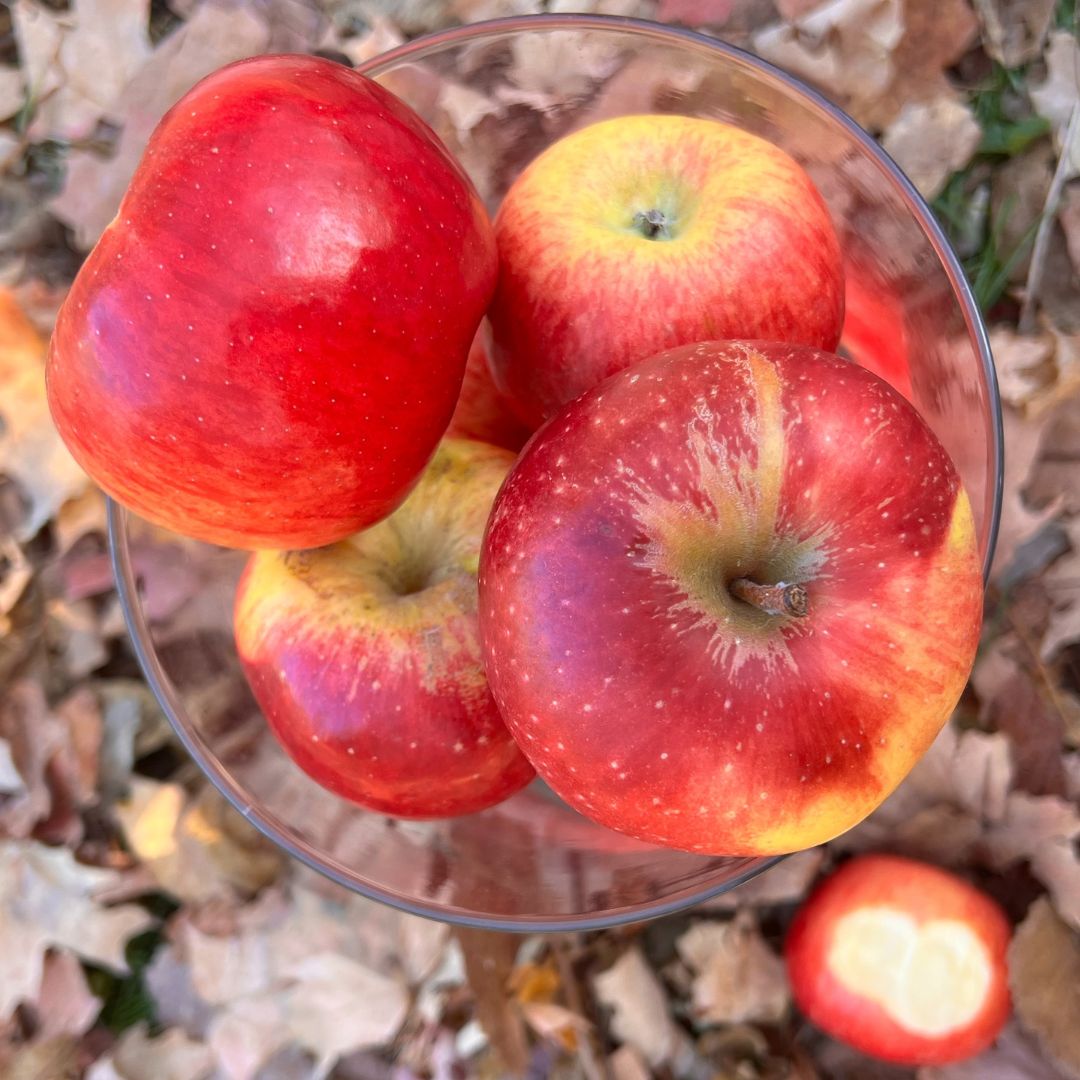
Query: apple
x,y
639,233
482,411
266,344
365,657
730,596
901,960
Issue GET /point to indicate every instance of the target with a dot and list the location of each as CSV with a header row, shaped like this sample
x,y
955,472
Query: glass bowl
x,y
498,93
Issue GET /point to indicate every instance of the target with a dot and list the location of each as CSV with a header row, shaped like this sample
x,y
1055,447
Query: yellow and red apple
x,y
902,960
641,233
365,657
729,597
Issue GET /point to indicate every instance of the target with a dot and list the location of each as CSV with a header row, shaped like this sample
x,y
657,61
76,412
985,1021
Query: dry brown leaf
x,y
335,1006
12,92
49,1059
787,881
1064,628
197,851
1043,830
172,1055
212,37
1019,522
641,1015
1044,977
1014,30
1057,95
1020,709
1024,364
1069,217
1013,1056
65,1004
626,1063
77,64
47,898
31,451
738,978
843,46
247,1035
931,140
556,1023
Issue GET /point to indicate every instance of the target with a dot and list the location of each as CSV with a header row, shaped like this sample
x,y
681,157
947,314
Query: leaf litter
x,y
148,933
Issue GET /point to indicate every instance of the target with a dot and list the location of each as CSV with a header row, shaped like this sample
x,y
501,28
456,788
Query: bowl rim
x,y
120,552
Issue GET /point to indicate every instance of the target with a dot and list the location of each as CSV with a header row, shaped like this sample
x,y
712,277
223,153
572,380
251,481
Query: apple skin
x,y
365,655
266,344
582,291
650,698
482,411
835,981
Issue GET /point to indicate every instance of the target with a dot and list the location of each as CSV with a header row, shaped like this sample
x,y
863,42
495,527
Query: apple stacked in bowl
x,y
722,600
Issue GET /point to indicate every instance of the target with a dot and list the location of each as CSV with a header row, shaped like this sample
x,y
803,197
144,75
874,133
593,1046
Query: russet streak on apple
x,y
588,284
266,344
902,960
644,692
365,656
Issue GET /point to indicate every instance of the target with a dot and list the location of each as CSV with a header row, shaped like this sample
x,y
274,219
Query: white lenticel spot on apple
x,y
658,705
614,764
664,756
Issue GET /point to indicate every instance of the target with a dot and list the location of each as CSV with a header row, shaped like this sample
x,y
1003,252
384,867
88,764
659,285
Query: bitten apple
x,y
640,233
729,597
901,960
365,658
267,343
482,411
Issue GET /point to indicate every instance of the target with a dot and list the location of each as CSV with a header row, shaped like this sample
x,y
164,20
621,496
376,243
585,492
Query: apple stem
x,y
778,599
651,223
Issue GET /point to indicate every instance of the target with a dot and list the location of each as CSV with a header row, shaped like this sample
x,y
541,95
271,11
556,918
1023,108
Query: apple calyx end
x,y
653,224
778,599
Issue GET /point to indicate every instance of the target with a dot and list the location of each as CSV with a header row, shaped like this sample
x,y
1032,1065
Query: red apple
x,y
730,596
365,656
482,411
267,343
640,233
902,961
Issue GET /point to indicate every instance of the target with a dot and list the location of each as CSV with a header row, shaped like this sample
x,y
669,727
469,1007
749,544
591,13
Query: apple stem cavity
x,y
652,224
778,599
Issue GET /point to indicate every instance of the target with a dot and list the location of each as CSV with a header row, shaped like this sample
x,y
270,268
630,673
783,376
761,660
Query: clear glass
x,y
498,93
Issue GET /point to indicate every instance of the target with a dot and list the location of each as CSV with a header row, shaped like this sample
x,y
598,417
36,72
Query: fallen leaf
x,y
32,453
336,1005
211,37
172,1055
695,13
65,1004
738,978
1014,30
197,851
1056,96
1019,521
1069,217
556,1023
1042,830
50,1059
47,898
12,92
626,1063
641,1015
845,47
1012,1057
177,1004
78,65
1024,364
247,1035
1044,978
1020,710
931,140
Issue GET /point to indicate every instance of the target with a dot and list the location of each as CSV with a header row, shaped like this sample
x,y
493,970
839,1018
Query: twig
x,y
1068,163
593,1066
